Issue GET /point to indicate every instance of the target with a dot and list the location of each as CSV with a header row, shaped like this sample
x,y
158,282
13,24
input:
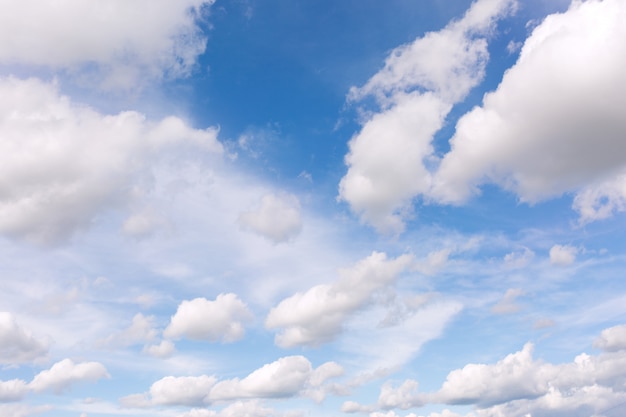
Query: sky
x,y
307,208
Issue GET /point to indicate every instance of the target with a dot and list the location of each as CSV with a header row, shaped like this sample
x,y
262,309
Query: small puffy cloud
x,y
317,315
201,319
601,200
612,339
84,163
166,41
516,260
507,304
405,396
18,345
416,89
563,255
277,218
185,390
65,373
140,331
164,349
556,122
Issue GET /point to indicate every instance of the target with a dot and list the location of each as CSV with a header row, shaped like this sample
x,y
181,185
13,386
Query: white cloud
x,y
164,349
416,89
140,331
282,378
507,304
85,162
277,218
317,315
556,122
612,339
518,386
200,319
13,390
516,260
65,373
18,345
186,390
601,200
75,35
563,255
286,377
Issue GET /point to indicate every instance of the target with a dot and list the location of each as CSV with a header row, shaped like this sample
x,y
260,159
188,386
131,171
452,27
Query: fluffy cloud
x,y
612,339
67,162
563,255
277,218
201,319
282,378
519,385
416,89
141,330
18,345
285,377
162,350
556,122
125,50
316,316
65,373
13,390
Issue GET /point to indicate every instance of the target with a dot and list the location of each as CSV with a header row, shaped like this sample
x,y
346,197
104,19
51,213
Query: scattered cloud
x,y
277,218
201,319
317,315
18,345
563,255
62,375
507,304
612,339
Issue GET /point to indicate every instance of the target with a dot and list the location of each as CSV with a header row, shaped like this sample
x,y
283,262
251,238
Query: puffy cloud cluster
x,y
277,218
126,41
519,385
286,377
59,378
317,315
556,122
201,319
416,89
66,162
554,125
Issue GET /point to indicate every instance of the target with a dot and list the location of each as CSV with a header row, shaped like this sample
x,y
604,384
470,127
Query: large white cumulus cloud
x,y
125,40
557,121
416,89
62,162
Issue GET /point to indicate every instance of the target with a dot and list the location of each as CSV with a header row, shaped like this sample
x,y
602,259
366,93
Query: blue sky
x,y
246,208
